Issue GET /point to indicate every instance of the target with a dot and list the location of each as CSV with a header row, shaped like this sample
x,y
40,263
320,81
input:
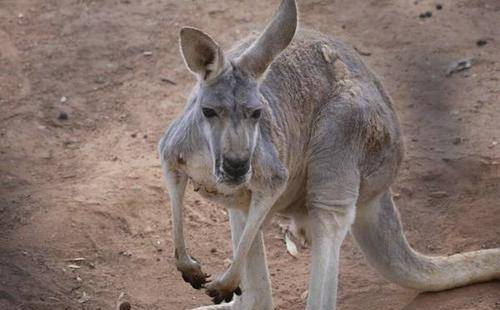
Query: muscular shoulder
x,y
180,139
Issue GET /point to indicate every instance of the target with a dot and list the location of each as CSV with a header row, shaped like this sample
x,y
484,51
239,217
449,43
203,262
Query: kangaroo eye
x,y
209,113
256,114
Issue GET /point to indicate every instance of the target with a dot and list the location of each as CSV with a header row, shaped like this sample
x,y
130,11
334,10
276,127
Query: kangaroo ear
x,y
201,53
275,38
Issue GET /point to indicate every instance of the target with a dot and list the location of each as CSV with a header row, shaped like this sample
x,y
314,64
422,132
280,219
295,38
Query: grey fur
x,y
327,148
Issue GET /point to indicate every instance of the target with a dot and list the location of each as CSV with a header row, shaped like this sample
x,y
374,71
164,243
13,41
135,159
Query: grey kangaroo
x,y
292,121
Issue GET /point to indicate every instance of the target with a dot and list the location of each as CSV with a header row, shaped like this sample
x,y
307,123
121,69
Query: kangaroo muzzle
x,y
235,170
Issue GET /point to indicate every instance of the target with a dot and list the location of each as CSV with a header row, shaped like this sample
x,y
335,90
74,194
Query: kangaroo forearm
x,y
258,212
176,186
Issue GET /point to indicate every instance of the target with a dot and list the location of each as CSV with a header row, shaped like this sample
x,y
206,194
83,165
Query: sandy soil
x,y
88,86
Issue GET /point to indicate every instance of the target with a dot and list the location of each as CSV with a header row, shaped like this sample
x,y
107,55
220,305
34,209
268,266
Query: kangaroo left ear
x,y
202,55
275,38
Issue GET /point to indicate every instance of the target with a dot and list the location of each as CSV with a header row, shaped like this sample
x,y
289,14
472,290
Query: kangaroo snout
x,y
234,168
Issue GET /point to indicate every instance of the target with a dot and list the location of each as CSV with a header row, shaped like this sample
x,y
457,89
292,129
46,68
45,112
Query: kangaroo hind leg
x,y
332,192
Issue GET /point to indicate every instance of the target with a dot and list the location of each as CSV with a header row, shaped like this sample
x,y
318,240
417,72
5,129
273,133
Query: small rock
x,y
459,65
457,141
424,15
328,54
438,194
228,262
84,298
125,253
213,250
73,266
121,296
493,144
124,306
100,80
362,52
63,116
481,42
54,299
291,247
20,15
439,6
167,80
147,53
407,191
304,295
134,135
76,259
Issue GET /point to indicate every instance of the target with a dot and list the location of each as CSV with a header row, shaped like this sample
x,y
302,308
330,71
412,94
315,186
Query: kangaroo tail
x,y
378,231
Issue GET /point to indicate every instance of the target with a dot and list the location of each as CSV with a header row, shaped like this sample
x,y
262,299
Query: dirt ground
x,y
88,86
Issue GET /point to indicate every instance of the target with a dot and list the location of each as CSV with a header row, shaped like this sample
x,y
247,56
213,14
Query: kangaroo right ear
x,y
201,53
275,38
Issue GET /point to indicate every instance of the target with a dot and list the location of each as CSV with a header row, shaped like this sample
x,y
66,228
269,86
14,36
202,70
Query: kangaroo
x,y
292,122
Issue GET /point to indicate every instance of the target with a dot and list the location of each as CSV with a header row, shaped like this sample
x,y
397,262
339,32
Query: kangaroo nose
x,y
235,168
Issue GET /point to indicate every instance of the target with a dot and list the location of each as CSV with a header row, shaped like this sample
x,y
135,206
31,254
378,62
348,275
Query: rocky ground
x,y
88,86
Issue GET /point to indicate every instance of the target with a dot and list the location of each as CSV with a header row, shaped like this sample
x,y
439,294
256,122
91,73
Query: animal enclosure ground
x,y
87,87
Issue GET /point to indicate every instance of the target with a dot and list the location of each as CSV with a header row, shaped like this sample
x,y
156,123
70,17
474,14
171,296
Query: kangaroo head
x,y
227,98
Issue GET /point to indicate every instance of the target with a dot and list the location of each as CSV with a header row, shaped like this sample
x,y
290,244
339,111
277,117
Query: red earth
x,y
87,88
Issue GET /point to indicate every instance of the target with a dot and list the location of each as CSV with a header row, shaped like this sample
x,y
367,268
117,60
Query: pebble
x,y
304,295
167,80
459,65
147,53
438,194
63,116
439,6
85,298
125,306
100,80
125,253
425,15
64,99
481,42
